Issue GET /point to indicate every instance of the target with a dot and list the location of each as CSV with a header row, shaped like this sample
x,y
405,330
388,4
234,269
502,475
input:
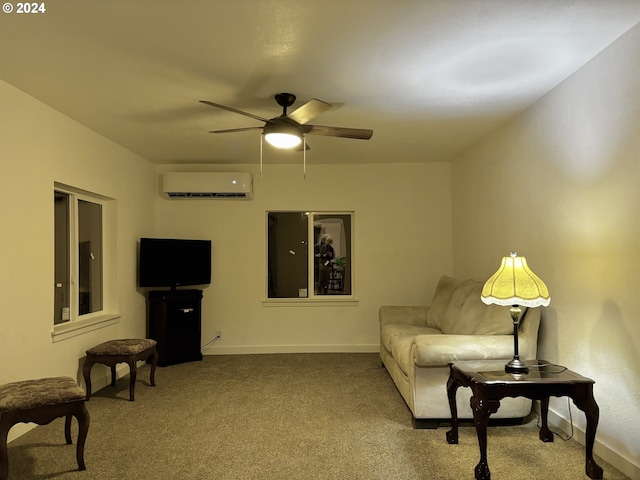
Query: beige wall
x,y
403,245
39,147
560,185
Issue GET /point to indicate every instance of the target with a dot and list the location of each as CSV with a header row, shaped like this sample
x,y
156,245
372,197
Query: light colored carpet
x,y
284,416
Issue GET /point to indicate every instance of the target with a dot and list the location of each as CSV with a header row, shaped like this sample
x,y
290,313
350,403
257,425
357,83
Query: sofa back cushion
x,y
460,311
440,302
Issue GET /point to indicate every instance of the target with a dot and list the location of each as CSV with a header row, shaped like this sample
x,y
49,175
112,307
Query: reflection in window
x,y
332,254
296,271
89,257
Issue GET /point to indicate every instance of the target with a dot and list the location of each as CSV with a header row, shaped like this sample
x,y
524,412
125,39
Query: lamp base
x,y
516,366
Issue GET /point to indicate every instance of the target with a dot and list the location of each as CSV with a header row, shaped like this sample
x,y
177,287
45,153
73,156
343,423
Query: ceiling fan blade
x,y
309,110
229,130
230,109
358,133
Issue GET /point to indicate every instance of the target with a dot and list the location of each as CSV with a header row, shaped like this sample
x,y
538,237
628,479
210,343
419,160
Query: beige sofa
x,y
418,342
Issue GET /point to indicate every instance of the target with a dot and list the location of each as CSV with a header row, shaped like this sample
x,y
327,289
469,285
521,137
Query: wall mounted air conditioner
x,y
207,185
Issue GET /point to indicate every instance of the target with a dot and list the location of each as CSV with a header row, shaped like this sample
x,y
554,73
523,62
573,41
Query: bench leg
x,y
4,460
133,371
86,373
154,363
113,375
67,428
83,428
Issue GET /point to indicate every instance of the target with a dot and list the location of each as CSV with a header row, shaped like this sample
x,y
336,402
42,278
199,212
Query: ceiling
x,y
430,77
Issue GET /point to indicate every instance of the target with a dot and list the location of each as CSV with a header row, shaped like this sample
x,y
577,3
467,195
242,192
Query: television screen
x,y
170,262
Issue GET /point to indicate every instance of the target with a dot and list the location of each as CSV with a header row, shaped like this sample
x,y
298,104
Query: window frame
x,y
108,314
312,298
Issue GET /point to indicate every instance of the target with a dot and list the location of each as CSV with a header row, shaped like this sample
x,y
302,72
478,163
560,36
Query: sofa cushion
x,y
468,315
495,321
397,339
409,315
441,299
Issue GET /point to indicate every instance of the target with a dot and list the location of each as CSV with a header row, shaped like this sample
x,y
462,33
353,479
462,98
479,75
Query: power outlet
x,y
219,334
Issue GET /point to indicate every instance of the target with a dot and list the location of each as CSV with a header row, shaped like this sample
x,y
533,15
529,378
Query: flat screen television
x,y
171,262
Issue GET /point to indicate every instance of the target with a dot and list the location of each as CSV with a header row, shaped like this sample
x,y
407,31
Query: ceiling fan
x,y
287,130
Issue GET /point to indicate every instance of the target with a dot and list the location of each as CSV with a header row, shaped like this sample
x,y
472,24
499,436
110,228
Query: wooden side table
x,y
490,384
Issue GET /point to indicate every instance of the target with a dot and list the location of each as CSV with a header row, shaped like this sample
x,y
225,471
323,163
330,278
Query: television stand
x,y
174,321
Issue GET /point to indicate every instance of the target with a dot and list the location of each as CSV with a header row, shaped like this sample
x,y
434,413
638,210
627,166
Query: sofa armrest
x,y
406,315
439,350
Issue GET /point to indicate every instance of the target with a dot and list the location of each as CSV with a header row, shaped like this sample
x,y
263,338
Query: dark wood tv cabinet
x,y
174,321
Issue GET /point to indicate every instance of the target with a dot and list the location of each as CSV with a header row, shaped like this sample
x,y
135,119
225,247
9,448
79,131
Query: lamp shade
x,y
515,284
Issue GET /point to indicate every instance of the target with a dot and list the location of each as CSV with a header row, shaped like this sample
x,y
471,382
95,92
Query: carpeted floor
x,y
285,416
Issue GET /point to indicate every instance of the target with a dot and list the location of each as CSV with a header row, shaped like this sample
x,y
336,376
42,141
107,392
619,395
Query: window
x,y
82,266
309,255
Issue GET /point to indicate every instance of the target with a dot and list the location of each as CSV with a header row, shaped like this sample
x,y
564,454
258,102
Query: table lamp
x,y
516,285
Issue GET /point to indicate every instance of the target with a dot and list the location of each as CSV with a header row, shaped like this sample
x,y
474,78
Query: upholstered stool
x,y
121,351
41,401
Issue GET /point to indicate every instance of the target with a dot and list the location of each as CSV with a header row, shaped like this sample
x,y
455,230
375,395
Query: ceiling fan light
x,y
282,133
283,140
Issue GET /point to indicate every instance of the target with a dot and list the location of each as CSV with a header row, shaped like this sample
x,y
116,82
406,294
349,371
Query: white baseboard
x,y
600,449
253,349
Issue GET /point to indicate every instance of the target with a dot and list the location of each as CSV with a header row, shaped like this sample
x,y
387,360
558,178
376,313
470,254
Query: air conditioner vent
x,y
178,185
206,195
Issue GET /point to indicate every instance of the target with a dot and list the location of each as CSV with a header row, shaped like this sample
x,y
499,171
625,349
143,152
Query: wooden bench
x,y
128,351
42,401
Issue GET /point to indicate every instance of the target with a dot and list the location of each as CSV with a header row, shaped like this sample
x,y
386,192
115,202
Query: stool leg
x,y
67,429
4,460
154,363
113,375
133,370
86,373
83,428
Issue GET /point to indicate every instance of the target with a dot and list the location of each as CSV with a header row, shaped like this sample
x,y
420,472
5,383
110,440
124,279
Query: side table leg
x,y
545,433
482,409
452,388
589,406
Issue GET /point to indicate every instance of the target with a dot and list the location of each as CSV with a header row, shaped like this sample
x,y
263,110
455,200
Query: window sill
x,y
310,302
67,330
